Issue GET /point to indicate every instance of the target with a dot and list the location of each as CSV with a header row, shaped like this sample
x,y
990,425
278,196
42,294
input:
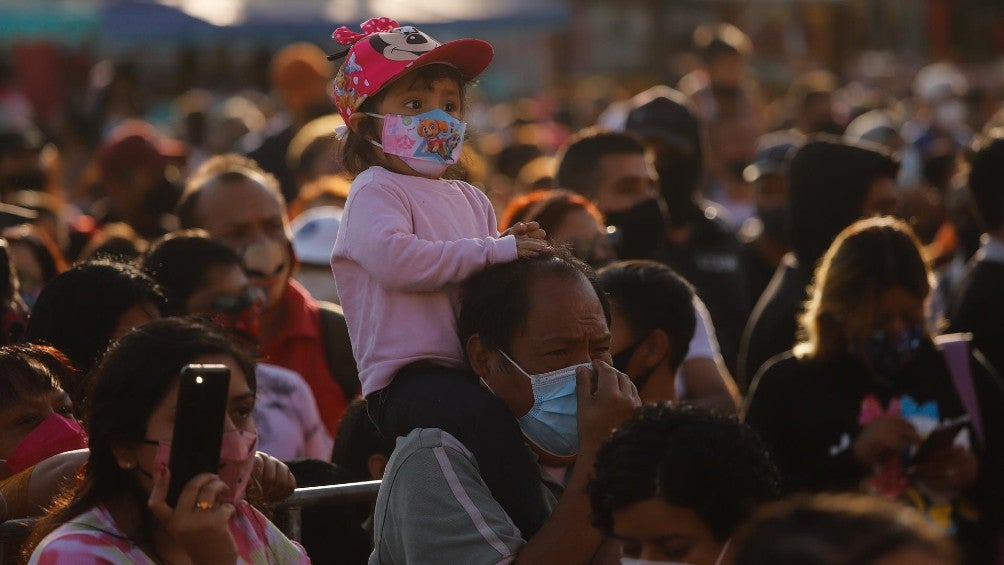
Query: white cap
x,y
314,234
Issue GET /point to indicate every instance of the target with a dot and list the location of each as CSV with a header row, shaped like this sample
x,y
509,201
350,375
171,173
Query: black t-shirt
x,y
978,307
710,260
810,412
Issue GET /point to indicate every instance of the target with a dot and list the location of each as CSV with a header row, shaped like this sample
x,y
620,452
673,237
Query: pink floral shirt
x,y
94,538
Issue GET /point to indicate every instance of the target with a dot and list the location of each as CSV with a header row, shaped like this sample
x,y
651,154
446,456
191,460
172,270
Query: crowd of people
x,y
700,327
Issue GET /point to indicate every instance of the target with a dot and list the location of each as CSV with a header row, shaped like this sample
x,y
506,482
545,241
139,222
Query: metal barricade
x,y
287,512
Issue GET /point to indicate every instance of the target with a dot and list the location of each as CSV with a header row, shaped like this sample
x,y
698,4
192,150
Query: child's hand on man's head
x,y
527,246
528,229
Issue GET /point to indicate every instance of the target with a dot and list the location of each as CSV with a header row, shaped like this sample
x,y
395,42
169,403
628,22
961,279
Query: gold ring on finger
x,y
203,505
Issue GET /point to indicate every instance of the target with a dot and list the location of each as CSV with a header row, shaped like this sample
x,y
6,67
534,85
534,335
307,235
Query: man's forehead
x,y
562,307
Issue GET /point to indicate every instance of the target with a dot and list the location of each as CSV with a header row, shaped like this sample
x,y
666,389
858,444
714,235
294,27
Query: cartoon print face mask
x,y
428,142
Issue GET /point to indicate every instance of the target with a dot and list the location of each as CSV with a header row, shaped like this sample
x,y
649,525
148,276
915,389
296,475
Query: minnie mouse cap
x,y
386,50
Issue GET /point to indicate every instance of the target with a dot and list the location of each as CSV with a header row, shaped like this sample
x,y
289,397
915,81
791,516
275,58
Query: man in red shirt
x,y
230,197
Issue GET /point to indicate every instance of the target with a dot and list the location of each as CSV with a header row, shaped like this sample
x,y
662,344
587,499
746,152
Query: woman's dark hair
x,y
180,263
78,311
496,301
358,154
867,259
712,465
27,369
837,529
651,296
358,439
132,380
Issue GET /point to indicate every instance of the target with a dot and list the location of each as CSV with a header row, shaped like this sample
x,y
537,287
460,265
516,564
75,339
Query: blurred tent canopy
x,y
117,24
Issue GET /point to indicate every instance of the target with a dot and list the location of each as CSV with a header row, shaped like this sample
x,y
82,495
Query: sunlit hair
x,y
868,258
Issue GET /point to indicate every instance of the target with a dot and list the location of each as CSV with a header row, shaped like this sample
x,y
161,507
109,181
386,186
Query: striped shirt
x,y
433,507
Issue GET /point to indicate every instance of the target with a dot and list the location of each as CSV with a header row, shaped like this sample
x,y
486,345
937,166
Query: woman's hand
x,y
951,469
882,438
274,477
200,523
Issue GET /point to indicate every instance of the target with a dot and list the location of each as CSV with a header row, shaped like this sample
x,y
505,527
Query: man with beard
x,y
230,197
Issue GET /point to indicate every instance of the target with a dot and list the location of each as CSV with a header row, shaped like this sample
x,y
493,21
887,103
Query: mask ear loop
x,y
514,364
373,141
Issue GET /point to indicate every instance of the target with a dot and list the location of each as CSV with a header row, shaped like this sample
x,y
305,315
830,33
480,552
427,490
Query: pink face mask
x,y
56,434
428,142
236,461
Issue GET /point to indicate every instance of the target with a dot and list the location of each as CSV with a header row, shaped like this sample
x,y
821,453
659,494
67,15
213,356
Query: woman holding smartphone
x,y
119,513
854,405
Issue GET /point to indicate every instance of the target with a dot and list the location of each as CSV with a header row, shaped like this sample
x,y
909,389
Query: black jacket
x,y
807,411
978,307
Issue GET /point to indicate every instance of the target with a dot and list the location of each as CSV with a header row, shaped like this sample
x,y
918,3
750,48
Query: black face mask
x,y
677,183
774,220
641,229
621,360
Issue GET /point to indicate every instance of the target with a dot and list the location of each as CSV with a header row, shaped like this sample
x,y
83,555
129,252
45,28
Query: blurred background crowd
x,y
108,108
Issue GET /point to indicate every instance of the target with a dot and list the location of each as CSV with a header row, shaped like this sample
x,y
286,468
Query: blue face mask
x,y
888,352
551,423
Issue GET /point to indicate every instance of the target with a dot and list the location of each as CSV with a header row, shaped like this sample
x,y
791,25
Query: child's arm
x,y
379,237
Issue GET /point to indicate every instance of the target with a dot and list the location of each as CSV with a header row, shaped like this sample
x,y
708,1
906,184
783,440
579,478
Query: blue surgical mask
x,y
551,424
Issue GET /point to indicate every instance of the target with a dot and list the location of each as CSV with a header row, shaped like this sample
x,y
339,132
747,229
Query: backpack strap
x,y
338,349
955,349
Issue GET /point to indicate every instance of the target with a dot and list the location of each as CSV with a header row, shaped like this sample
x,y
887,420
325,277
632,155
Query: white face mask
x,y
552,423
633,561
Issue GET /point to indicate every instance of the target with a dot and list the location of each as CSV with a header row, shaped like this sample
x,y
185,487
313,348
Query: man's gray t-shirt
x,y
433,507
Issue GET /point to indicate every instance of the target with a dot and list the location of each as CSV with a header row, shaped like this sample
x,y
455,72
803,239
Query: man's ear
x,y
479,355
657,348
356,120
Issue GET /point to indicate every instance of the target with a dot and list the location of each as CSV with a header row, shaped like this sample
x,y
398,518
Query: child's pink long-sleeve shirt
x,y
404,246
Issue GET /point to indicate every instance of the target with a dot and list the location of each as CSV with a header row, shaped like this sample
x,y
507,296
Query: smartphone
x,y
940,438
198,424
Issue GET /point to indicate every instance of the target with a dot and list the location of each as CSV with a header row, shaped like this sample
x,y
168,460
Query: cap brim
x,y
470,56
